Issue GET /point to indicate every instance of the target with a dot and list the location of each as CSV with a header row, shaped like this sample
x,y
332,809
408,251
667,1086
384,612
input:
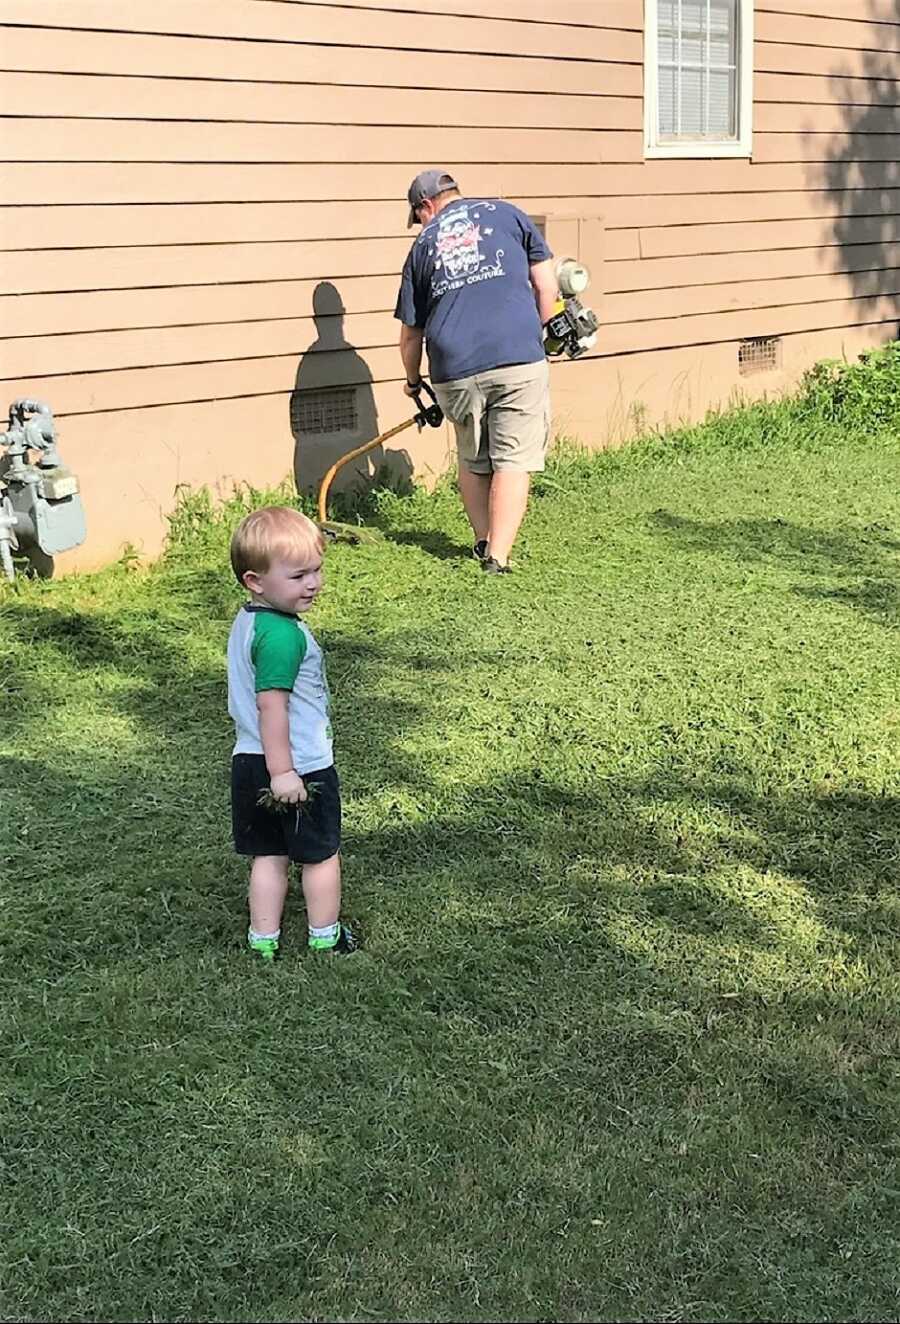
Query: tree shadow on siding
x,y
862,171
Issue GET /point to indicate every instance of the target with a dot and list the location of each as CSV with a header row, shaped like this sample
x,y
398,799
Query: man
x,y
477,287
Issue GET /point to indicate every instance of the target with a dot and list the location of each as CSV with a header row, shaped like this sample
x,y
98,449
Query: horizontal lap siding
x,y
775,257
185,175
778,24
40,315
300,144
206,348
777,57
362,31
617,14
194,100
181,177
279,64
876,11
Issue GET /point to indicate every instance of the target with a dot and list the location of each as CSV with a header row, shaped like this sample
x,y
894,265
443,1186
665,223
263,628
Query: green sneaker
x,y
265,948
345,944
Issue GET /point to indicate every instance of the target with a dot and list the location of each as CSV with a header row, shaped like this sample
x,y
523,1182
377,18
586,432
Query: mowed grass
x,y
622,834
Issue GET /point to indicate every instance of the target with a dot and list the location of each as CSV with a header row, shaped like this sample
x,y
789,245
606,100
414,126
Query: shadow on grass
x,y
869,555
518,908
621,997
164,799
878,598
165,669
679,840
378,510
129,837
759,916
435,542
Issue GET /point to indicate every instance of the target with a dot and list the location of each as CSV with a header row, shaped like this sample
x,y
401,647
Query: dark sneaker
x,y
346,944
492,567
479,551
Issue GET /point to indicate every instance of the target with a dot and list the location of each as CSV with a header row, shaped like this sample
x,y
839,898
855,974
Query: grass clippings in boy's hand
x,y
268,801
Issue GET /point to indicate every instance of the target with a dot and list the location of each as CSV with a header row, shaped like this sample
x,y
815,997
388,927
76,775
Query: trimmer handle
x,y
432,414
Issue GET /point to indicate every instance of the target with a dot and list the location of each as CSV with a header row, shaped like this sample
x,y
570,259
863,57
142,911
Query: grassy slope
x,y
622,832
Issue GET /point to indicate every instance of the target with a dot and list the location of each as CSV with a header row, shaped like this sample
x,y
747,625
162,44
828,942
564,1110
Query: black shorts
x,y
308,837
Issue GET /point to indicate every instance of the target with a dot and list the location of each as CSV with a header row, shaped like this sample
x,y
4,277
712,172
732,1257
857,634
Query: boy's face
x,y
288,585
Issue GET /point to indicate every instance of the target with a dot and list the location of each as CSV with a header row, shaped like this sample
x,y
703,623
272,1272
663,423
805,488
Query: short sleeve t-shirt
x,y
466,284
271,650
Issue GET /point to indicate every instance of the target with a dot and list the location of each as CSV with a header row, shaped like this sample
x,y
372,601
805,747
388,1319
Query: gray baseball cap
x,y
427,184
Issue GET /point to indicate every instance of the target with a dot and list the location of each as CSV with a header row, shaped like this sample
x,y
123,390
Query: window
x,y
698,77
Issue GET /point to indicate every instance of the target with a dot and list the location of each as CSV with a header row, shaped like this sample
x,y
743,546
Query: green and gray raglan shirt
x,y
271,650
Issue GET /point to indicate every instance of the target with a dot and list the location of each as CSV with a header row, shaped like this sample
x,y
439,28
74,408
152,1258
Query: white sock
x,y
328,931
253,936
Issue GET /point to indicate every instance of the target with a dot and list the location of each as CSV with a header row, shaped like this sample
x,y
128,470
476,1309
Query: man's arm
x,y
412,339
546,288
274,732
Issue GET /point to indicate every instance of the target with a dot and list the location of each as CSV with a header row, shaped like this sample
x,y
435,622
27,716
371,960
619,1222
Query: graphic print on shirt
x,y
457,253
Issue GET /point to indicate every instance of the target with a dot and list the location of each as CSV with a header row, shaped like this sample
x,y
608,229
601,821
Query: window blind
x,y
698,69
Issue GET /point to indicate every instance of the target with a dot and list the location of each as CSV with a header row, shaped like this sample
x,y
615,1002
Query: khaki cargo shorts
x,y
501,417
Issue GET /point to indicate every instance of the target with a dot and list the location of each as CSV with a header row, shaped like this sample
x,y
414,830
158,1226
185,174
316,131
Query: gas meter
x,y
40,505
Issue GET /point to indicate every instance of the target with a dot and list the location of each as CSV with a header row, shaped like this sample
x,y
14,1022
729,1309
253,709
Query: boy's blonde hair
x,y
273,533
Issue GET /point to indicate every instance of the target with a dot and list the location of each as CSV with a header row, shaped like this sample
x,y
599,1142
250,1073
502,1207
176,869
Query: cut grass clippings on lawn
x,y
623,833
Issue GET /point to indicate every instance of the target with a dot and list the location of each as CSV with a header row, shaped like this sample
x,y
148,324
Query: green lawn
x,y
623,836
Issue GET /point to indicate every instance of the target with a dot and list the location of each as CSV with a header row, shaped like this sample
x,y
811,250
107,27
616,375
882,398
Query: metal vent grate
x,y
333,410
762,354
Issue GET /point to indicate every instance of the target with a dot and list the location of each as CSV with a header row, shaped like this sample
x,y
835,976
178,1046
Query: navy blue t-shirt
x,y
466,284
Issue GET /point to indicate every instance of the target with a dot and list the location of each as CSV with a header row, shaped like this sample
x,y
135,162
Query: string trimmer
x,y
430,414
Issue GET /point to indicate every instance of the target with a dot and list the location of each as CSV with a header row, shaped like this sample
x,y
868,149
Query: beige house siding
x,y
182,176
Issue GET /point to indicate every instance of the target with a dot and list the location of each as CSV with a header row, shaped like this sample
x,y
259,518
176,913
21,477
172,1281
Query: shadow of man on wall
x,y
333,408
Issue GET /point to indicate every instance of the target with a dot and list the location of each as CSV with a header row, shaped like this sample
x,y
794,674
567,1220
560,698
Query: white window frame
x,y
706,147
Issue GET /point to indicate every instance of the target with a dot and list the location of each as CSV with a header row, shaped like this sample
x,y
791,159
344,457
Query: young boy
x,y
278,697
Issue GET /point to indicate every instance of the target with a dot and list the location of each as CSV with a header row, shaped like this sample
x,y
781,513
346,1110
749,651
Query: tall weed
x,y
862,396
